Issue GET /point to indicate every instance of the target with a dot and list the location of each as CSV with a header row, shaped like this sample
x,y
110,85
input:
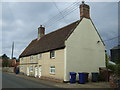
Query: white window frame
x,y
22,59
31,68
39,56
52,54
21,68
31,58
52,69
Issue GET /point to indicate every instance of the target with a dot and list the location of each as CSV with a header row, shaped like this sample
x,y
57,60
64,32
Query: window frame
x,y
52,69
21,59
21,68
39,56
31,68
31,57
52,54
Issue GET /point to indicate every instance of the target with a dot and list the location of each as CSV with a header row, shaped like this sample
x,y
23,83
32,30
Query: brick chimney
x,y
41,31
84,10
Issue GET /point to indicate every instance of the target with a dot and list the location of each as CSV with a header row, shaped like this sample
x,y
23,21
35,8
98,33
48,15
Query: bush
x,y
117,69
111,67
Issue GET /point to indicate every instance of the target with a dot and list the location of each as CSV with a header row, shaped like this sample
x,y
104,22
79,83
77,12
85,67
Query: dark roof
x,y
51,41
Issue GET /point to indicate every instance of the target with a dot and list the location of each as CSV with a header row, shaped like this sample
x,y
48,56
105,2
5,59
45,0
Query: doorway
x,y
36,69
27,71
39,71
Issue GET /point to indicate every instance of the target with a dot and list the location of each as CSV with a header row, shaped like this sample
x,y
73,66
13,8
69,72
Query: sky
x,y
19,21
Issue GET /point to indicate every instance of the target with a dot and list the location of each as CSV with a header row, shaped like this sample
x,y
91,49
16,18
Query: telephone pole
x,y
12,50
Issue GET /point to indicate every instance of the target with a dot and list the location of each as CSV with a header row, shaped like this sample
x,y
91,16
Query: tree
x,y
5,60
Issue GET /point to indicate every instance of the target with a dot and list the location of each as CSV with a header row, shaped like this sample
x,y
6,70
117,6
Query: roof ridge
x,y
50,41
59,28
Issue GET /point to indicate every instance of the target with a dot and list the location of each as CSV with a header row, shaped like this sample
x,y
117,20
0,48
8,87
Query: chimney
x,y
41,31
84,10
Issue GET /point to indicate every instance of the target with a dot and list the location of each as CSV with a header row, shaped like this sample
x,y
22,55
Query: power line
x,y
111,38
66,9
59,10
64,13
58,19
50,24
53,19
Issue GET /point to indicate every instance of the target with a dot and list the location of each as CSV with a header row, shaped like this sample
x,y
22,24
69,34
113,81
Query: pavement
x,y
52,84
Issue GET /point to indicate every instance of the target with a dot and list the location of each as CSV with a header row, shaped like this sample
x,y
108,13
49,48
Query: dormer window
x,y
31,58
52,54
39,56
21,59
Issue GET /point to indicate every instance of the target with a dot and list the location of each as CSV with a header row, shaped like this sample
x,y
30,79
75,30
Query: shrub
x,y
111,67
117,69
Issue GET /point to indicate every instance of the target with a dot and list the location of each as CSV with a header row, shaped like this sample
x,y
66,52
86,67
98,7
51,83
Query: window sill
x,y
52,73
52,58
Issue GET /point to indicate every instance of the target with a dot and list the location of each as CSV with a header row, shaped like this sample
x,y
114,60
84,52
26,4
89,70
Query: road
x,y
12,81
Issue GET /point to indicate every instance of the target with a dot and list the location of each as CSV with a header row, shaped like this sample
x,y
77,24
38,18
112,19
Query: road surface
x,y
12,81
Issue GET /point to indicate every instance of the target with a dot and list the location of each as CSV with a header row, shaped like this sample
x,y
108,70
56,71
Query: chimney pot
x,y
41,31
83,2
84,10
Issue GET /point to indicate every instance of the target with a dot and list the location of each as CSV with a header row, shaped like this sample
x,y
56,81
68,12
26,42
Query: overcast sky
x,y
20,21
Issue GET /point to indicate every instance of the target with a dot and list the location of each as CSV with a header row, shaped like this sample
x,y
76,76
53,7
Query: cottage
x,y
76,47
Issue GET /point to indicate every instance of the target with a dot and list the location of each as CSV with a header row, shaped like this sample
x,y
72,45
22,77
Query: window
x,y
52,69
52,54
31,68
39,56
21,68
31,58
21,59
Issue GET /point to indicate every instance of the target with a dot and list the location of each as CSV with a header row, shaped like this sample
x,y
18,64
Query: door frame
x,y
36,71
28,73
39,71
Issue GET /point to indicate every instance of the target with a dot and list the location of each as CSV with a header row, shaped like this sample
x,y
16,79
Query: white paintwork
x,y
39,71
27,71
83,53
36,71
65,64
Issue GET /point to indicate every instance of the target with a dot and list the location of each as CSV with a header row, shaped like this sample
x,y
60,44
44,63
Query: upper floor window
x,y
21,68
21,59
52,54
39,56
31,58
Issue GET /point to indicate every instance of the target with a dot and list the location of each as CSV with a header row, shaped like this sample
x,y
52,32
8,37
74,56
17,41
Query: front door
x,y
39,71
36,69
27,71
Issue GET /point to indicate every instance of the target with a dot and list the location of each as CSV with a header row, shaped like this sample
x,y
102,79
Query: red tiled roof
x,y
51,41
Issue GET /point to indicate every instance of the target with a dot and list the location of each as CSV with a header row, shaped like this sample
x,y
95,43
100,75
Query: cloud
x,y
21,20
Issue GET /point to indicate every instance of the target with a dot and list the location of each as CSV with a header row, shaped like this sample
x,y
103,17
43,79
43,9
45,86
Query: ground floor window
x,y
21,68
52,69
31,68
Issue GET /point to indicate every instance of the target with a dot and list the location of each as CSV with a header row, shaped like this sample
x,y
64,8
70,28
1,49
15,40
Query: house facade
x,y
76,47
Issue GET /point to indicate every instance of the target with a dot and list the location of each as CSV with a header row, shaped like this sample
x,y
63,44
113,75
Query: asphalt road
x,y
12,81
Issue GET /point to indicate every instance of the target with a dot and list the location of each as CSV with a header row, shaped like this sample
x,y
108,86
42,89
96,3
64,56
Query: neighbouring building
x,y
76,47
115,54
12,62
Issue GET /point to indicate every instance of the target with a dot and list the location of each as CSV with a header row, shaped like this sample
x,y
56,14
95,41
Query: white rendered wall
x,y
83,53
